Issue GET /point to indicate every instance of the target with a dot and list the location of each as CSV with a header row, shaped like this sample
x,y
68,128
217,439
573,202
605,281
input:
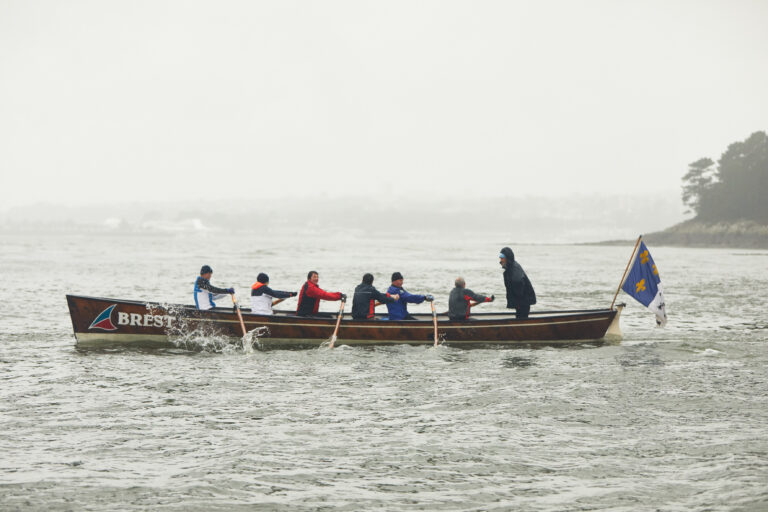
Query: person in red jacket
x,y
311,295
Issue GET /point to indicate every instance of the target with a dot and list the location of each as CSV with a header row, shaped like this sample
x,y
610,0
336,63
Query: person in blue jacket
x,y
398,310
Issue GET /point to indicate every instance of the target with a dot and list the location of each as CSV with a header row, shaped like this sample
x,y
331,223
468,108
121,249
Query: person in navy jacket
x,y
365,298
398,310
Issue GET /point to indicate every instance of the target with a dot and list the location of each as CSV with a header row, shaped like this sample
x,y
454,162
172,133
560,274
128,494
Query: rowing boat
x,y
106,322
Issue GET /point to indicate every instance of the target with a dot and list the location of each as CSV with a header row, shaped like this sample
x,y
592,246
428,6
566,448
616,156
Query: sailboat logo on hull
x,y
104,320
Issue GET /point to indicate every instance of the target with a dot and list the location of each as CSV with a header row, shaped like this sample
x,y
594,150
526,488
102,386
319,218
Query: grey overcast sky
x,y
104,101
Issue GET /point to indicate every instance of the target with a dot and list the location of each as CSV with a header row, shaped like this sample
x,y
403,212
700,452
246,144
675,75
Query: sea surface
x,y
672,419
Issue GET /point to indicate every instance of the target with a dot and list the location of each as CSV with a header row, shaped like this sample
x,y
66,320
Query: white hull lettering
x,y
143,320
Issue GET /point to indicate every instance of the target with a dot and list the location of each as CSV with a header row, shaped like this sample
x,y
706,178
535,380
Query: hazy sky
x,y
109,101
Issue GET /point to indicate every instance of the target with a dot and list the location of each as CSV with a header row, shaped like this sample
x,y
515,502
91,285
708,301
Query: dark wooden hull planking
x,y
105,322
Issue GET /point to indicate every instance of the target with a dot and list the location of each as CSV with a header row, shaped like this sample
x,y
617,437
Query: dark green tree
x,y
737,189
699,178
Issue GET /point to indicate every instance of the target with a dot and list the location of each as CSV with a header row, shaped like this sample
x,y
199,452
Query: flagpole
x,y
626,270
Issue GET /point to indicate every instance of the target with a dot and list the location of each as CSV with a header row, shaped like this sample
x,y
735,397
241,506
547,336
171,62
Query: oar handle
x,y
475,303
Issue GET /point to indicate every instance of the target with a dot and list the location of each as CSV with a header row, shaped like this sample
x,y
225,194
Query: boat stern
x,y
614,334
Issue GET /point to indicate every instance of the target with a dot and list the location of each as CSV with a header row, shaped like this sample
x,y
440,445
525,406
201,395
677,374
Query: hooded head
x,y
508,257
263,278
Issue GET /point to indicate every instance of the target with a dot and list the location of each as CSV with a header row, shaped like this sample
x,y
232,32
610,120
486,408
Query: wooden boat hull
x,y
104,322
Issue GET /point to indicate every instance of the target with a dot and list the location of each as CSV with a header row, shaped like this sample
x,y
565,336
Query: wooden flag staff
x,y
631,258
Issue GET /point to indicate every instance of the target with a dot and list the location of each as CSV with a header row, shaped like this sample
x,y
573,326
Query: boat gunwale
x,y
282,316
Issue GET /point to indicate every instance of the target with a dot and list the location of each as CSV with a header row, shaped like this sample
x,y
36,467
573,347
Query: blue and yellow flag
x,y
644,284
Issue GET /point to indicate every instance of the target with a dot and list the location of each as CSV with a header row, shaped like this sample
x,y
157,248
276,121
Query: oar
x,y
434,319
278,301
246,345
473,304
338,322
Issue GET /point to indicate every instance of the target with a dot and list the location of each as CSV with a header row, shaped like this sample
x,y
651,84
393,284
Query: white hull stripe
x,y
94,339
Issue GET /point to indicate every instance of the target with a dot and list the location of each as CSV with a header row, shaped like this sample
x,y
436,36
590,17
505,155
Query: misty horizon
x,y
570,219
172,101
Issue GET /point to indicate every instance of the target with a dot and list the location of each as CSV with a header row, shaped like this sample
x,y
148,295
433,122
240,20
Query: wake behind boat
x,y
106,322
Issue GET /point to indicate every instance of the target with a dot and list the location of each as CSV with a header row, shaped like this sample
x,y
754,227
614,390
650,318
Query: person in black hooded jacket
x,y
364,301
520,294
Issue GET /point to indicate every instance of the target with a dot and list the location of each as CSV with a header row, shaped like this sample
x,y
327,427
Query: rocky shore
x,y
695,233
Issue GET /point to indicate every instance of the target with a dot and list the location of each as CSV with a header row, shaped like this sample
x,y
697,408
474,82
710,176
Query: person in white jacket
x,y
205,293
262,295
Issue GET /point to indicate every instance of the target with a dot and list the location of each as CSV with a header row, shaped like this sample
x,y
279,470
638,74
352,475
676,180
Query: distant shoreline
x,y
694,233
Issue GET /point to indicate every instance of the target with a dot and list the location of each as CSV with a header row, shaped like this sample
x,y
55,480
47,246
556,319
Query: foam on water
x,y
185,334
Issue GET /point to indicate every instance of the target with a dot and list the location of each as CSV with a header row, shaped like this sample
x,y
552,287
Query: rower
x,y
459,301
311,295
205,292
398,310
262,295
364,301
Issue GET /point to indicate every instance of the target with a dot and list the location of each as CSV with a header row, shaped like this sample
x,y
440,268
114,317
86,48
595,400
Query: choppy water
x,y
671,419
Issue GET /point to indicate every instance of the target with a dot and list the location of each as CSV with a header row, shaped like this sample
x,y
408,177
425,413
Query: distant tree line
x,y
734,189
